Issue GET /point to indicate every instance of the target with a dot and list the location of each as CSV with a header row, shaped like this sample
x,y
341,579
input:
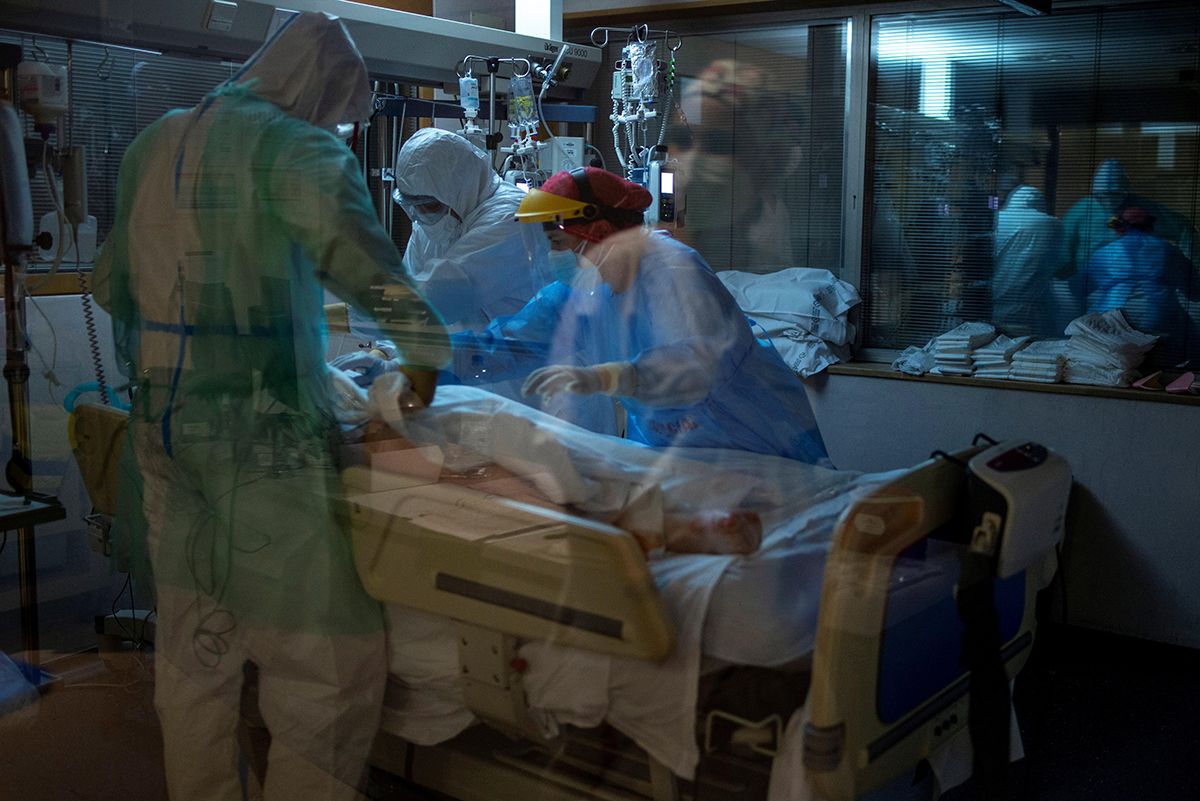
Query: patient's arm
x,y
644,514
665,499
733,532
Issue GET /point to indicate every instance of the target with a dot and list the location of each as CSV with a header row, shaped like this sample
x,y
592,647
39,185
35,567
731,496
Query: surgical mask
x,y
563,265
582,262
442,230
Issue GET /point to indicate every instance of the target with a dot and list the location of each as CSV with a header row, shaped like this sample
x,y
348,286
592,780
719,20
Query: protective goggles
x,y
417,207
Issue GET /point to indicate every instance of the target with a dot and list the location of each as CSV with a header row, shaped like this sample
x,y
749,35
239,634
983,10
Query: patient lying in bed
x,y
484,438
755,609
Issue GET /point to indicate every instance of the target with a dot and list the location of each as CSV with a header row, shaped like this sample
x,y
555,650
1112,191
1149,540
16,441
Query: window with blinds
x,y
116,93
1003,145
759,135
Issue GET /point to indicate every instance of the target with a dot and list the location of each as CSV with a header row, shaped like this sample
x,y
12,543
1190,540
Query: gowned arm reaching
x,y
333,220
511,346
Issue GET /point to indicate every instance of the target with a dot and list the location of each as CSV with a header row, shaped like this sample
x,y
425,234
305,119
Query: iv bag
x,y
521,108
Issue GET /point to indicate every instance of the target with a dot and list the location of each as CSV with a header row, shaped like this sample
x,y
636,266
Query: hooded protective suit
x,y
1085,227
232,217
1027,245
482,265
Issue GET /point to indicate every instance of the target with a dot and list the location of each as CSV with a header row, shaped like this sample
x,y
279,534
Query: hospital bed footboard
x,y
890,679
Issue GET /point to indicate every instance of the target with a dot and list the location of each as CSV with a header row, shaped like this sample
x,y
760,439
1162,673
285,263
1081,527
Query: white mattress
x,y
756,610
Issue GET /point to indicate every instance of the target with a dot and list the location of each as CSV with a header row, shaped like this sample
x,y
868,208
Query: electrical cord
x,y
49,374
596,150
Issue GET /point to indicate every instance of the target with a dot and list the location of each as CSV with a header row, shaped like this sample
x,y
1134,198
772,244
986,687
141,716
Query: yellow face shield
x,y
543,207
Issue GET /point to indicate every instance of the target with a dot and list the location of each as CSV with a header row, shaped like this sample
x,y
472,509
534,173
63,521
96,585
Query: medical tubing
x,y
948,457
616,134
129,635
595,149
51,379
669,103
662,127
542,118
635,160
85,296
396,154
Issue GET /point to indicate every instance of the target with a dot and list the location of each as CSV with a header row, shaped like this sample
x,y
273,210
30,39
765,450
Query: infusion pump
x,y
662,182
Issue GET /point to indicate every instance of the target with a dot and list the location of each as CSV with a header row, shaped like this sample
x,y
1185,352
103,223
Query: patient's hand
x,y
739,531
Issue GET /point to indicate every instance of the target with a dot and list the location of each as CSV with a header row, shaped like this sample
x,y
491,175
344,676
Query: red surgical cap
x,y
609,190
1134,217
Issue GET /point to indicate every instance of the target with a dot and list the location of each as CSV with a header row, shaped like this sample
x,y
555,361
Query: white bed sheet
x,y
756,610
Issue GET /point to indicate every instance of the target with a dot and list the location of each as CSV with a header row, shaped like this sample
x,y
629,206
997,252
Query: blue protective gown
x,y
1085,230
1150,280
703,379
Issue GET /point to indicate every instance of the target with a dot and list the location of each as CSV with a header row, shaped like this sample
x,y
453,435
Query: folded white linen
x,y
1113,330
811,299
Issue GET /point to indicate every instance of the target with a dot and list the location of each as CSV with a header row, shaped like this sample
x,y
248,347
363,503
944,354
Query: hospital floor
x,y
1103,717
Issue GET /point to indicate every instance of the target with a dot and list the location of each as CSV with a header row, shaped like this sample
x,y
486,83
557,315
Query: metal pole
x,y
27,580
491,107
19,469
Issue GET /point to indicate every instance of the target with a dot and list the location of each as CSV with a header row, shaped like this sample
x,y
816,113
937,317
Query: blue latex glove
x,y
364,367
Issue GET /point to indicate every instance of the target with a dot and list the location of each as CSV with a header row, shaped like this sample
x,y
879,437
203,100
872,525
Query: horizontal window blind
x,y
116,93
991,136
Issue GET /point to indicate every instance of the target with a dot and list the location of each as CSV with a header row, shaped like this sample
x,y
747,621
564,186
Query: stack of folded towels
x,y
952,350
994,360
1105,349
1042,362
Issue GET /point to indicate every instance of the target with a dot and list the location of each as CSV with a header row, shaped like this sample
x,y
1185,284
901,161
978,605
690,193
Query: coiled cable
x,y
89,324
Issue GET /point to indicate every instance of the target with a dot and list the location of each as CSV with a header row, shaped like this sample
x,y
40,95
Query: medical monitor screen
x,y
666,183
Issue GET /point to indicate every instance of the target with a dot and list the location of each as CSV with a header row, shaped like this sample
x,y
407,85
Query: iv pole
x,y
25,509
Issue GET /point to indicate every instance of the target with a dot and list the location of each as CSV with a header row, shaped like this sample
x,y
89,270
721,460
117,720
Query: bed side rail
x,y
888,686
509,567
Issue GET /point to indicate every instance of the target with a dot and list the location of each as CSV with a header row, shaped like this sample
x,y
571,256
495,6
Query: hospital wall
x,y
1133,529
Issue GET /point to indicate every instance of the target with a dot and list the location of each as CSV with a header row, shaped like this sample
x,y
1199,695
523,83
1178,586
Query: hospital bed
x,y
530,604
517,582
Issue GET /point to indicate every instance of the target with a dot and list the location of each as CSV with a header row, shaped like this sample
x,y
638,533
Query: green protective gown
x,y
232,218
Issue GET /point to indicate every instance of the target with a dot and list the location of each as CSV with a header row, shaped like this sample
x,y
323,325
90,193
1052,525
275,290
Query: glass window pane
x,y
1002,145
760,143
